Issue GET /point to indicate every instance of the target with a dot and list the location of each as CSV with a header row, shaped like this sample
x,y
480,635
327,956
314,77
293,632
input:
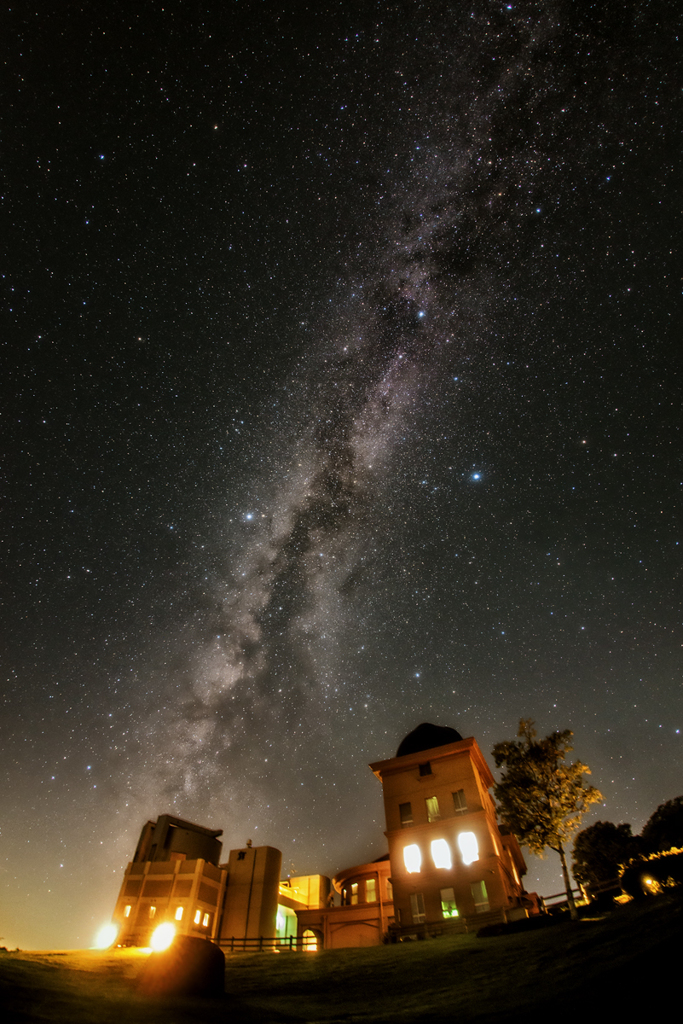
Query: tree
x,y
600,850
540,797
664,829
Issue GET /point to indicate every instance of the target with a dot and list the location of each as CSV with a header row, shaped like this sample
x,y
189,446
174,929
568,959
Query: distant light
x,y
249,515
476,476
162,937
421,314
106,936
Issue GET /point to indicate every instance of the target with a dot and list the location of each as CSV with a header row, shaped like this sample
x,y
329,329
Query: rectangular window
x,y
370,890
406,812
179,914
412,858
469,847
426,768
126,911
197,916
459,802
354,893
448,907
152,912
441,854
433,812
390,890
480,897
205,922
417,907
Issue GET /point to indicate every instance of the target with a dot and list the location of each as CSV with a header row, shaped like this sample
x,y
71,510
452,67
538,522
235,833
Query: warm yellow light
x,y
106,936
179,914
441,854
469,848
162,937
412,858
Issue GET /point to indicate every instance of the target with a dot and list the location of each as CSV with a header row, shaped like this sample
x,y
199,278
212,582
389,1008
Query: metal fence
x,y
293,944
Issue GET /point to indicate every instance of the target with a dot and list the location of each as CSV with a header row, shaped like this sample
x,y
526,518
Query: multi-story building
x,y
450,862
449,867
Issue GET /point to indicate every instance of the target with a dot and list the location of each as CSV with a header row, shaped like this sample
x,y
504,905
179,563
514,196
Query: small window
x,y
406,812
412,858
205,922
370,890
179,914
241,855
354,893
390,890
459,802
426,768
441,854
197,916
345,897
433,812
469,848
152,912
480,897
417,907
448,907
127,910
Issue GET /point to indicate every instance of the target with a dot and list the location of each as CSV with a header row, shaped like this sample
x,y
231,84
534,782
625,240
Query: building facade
x,y
451,866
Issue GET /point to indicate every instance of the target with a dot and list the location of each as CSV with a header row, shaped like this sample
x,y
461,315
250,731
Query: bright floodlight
x,y
441,854
106,936
162,937
469,848
412,858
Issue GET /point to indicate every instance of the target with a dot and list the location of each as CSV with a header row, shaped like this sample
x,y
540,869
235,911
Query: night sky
x,y
341,391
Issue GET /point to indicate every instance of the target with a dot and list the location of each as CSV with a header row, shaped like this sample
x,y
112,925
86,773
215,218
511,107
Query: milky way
x,y
344,397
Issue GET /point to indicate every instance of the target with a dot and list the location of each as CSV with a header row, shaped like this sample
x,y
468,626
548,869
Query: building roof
x,y
425,737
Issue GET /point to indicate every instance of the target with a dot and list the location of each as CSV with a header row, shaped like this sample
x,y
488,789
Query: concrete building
x,y
451,866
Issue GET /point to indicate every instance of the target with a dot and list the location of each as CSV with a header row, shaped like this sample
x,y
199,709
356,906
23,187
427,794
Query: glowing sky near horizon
x,y
342,393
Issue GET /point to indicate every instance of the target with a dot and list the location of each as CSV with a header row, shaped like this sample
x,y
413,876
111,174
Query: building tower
x,y
451,866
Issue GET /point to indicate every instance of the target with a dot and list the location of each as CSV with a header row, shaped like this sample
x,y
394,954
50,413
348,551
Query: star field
x,y
341,392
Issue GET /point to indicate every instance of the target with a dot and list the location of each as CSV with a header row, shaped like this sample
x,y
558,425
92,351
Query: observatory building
x,y
450,867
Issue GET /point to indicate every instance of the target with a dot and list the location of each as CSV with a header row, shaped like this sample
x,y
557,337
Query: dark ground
x,y
622,963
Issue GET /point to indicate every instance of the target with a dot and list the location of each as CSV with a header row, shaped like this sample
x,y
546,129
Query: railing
x,y
293,943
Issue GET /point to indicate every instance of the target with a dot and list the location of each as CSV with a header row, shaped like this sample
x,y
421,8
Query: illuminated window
x,y
152,912
426,768
441,854
126,911
480,897
179,914
469,848
412,858
433,812
406,812
370,890
205,922
459,802
448,907
417,907
197,917
354,893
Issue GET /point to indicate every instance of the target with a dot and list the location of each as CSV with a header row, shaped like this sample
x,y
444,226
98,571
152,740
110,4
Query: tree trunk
x,y
573,912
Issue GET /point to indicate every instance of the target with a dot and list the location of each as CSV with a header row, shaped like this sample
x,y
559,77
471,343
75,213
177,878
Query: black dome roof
x,y
427,736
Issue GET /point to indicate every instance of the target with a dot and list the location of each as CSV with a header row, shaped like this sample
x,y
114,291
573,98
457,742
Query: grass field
x,y
623,962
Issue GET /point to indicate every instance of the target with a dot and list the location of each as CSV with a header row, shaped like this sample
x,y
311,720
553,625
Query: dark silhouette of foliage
x,y
664,829
540,797
599,852
650,876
